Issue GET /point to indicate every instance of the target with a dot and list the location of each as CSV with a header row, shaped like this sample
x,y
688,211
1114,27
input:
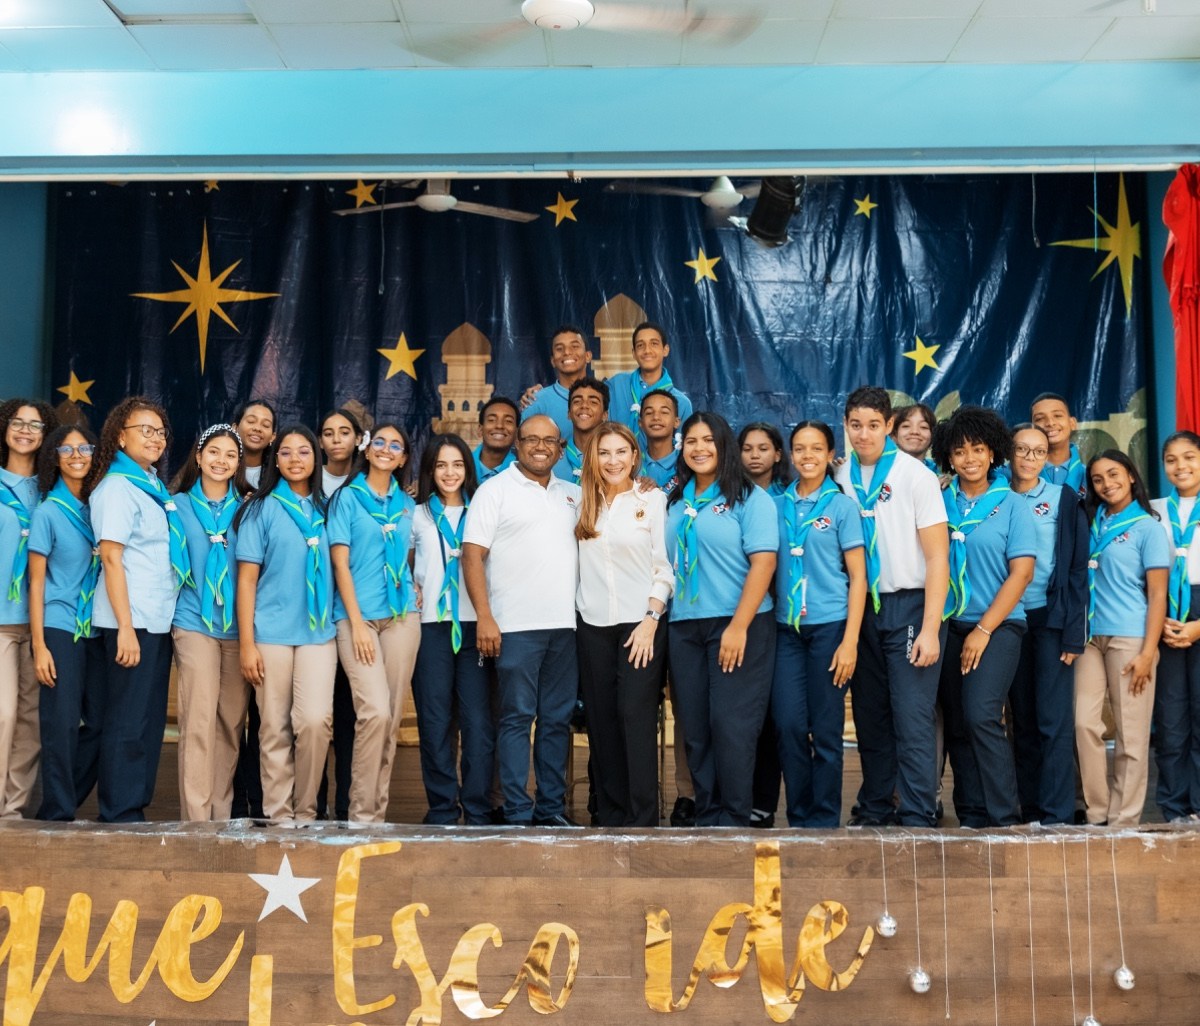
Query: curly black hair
x,y
972,425
110,437
8,410
47,464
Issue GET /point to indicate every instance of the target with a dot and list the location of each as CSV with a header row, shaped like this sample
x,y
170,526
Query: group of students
x,y
977,588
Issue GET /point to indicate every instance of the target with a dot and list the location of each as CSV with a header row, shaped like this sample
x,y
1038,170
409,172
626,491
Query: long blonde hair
x,y
592,484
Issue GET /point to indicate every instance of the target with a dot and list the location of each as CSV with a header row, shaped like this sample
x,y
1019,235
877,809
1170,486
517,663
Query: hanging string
x,y
1032,964
1070,950
992,913
945,925
1088,870
1037,243
1095,209
1117,898
917,900
887,922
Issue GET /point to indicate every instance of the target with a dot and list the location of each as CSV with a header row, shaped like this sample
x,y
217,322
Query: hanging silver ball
x,y
887,925
1124,978
920,982
1090,1020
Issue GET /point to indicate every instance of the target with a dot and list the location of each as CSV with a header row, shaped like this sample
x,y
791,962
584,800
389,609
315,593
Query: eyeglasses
x,y
304,452
36,426
379,444
147,431
1025,450
84,450
538,442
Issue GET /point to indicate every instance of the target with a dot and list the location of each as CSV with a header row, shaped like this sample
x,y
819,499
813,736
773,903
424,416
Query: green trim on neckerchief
x,y
687,548
797,536
961,526
451,541
217,589
61,496
866,503
20,563
1179,592
146,481
314,571
388,511
1105,530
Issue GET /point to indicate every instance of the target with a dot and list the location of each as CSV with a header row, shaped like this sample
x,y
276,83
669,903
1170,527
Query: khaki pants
x,y
20,733
1098,672
295,705
212,702
378,690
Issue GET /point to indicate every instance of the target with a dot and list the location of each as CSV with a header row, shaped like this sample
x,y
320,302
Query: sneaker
x,y
762,820
684,813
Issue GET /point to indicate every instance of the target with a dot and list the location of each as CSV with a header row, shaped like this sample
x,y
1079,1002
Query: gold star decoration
x,y
563,210
401,358
864,206
204,295
1122,243
76,390
362,193
703,266
212,185
922,356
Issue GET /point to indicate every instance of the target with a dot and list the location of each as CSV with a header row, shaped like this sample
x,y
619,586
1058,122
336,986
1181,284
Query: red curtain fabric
x,y
1181,269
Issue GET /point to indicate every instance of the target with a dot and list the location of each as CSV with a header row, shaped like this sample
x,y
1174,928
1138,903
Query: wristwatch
x,y
655,616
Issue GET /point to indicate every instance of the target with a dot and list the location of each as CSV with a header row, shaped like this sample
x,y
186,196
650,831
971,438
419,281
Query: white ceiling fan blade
x,y
375,209
638,18
646,188
503,213
468,43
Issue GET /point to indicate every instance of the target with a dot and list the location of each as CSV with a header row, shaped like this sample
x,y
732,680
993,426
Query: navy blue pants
x,y
341,742
452,694
539,680
985,776
893,704
1042,698
70,714
810,716
621,705
722,713
1177,726
133,716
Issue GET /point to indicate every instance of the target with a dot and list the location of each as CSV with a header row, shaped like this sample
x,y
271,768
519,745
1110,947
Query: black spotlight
x,y
776,203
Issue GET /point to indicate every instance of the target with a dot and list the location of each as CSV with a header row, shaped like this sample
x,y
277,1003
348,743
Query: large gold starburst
x,y
1122,243
204,295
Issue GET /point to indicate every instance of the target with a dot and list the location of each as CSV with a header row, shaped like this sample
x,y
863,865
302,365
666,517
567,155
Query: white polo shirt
x,y
911,501
532,563
1186,505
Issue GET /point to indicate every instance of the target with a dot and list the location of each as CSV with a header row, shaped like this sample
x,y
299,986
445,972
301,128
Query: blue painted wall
x,y
24,349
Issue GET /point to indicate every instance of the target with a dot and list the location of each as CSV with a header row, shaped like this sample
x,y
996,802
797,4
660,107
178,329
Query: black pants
x,y
70,714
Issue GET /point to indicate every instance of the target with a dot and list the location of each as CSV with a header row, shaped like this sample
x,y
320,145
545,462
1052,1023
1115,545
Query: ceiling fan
x,y
437,199
721,196
681,19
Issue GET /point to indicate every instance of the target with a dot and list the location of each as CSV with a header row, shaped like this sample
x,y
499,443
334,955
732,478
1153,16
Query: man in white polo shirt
x,y
519,565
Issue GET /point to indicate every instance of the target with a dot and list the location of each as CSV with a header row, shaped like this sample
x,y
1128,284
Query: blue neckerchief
x,y
148,482
451,538
931,465
574,458
395,561
1105,530
314,570
1179,593
961,525
687,549
217,589
1075,471
638,388
20,562
797,535
76,512
866,503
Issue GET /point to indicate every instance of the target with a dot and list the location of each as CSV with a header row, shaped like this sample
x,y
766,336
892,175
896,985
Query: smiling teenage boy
x,y
588,409
629,388
498,428
569,356
1051,413
899,655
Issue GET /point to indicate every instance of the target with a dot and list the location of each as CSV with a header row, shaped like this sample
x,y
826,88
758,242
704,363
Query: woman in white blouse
x,y
625,581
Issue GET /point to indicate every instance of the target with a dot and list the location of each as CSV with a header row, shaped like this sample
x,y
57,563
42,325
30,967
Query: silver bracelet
x,y
981,627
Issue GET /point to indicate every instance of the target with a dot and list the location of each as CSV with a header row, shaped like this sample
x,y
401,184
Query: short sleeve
x,y
849,524
114,511
760,523
1156,553
41,531
483,515
340,526
1022,534
928,505
251,537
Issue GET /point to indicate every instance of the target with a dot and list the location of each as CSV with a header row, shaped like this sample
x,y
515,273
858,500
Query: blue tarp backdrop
x,y
203,294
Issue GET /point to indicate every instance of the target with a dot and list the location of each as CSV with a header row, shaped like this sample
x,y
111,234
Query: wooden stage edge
x,y
329,924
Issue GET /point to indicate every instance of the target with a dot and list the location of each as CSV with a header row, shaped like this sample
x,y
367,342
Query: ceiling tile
x,y
873,9
802,10
208,47
290,12
889,40
1059,8
594,48
504,44
343,46
176,9
1015,40
454,11
773,42
57,14
65,49
1149,38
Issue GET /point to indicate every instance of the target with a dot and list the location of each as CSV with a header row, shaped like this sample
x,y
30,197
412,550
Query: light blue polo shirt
x,y
125,514
620,400
25,489
726,537
352,526
187,605
1121,579
1008,533
1042,501
563,469
482,473
267,536
661,472
838,530
68,556
551,401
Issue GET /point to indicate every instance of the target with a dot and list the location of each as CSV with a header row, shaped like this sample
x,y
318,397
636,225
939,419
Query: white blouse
x,y
429,564
627,565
